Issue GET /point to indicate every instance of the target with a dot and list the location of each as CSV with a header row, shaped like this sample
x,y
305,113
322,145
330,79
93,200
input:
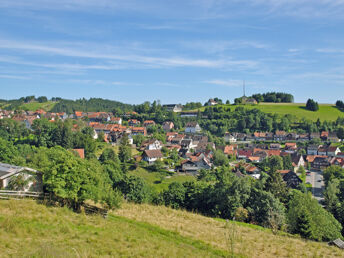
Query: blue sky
x,y
173,51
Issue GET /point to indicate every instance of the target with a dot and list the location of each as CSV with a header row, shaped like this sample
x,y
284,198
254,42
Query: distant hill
x,y
140,231
65,105
327,112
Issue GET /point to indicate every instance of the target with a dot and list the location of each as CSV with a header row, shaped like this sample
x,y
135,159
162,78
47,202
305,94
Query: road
x,y
315,178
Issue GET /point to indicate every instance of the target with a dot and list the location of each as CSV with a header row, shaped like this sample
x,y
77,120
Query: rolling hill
x,y
327,112
140,231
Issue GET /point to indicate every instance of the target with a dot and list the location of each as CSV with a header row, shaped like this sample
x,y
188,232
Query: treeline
x,y
274,97
90,105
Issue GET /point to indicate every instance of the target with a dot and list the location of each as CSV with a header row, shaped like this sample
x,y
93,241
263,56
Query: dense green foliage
x,y
307,218
275,97
92,104
312,105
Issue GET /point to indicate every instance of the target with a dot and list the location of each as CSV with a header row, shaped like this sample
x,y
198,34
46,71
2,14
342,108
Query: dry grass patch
x,y
247,241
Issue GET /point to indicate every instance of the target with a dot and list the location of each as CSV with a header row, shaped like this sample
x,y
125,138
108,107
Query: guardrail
x,y
6,194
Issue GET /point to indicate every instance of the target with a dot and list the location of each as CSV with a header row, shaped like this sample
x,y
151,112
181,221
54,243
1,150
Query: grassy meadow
x,y
139,231
33,106
327,112
160,180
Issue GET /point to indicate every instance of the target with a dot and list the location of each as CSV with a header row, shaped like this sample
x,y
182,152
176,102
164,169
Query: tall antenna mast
x,y
244,89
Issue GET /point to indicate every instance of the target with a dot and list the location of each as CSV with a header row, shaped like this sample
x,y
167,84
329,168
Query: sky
x,y
175,51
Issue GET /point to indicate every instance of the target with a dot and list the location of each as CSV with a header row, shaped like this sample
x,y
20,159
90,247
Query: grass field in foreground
x,y
326,111
139,231
43,231
249,240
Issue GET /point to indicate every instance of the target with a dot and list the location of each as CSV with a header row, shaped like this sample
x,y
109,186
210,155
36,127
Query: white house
x,y
229,137
31,177
192,127
152,155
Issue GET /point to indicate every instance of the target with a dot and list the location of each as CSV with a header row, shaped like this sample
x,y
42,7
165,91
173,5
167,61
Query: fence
x,y
5,194
90,209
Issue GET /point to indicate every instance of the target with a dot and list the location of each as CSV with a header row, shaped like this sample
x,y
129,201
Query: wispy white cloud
x,y
114,59
227,83
16,77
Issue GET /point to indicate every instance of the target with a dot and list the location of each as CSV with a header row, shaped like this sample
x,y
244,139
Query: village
x,y
315,151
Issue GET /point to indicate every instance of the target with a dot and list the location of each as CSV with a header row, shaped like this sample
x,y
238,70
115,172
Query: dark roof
x,y
153,153
191,124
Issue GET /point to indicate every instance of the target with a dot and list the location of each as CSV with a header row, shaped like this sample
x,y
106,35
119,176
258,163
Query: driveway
x,y
315,178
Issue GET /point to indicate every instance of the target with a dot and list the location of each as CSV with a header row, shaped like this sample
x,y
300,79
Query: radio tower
x,y
244,88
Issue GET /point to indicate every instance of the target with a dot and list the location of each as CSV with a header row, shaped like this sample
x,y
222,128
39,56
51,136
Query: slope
x,y
139,231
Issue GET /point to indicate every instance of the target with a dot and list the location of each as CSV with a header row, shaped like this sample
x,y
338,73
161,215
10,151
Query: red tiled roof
x,y
80,152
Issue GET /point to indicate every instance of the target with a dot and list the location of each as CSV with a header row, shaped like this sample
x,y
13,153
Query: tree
x,y
277,186
135,189
175,195
307,218
219,158
312,105
107,155
124,153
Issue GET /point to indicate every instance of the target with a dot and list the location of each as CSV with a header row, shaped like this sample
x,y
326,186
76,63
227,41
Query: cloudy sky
x,y
172,50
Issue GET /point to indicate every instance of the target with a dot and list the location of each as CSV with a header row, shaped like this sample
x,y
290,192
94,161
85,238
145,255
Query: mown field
x,y
327,112
160,180
139,231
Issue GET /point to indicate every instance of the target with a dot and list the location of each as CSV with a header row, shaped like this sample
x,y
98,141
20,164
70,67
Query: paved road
x,y
315,178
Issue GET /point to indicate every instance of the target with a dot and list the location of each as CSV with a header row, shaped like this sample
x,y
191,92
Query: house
x,y
292,137
31,177
340,155
297,161
148,123
152,144
195,163
275,146
230,150
290,147
280,136
152,155
244,154
173,107
312,150
138,131
167,126
116,120
290,178
321,163
322,151
259,136
249,101
211,102
303,137
192,127
332,151
133,122
228,137
314,136
188,114
324,135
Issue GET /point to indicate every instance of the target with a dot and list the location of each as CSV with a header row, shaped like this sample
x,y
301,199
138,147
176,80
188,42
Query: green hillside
x,y
33,106
139,231
327,112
